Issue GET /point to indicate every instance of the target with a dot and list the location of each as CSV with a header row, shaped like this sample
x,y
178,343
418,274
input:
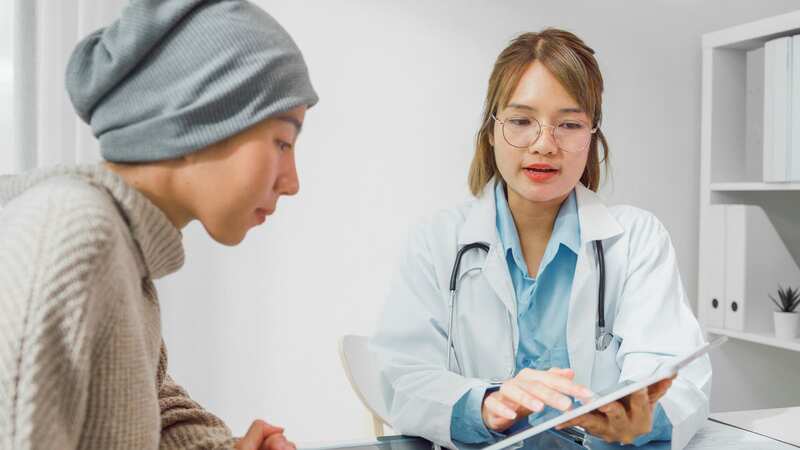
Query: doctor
x,y
527,314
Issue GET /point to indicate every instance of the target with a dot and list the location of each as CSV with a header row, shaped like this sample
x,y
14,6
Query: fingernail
x,y
508,413
535,405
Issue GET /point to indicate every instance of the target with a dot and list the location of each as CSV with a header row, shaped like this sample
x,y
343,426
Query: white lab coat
x,y
646,308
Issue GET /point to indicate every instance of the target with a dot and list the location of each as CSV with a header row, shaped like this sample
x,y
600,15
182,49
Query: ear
x,y
490,134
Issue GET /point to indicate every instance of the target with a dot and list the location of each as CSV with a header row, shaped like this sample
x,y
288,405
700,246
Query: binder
x,y
736,266
769,64
711,285
777,108
793,155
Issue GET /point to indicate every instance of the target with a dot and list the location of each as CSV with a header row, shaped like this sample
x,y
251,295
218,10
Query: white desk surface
x,y
781,423
712,436
719,436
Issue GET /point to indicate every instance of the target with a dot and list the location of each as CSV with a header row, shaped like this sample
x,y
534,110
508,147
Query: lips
x,y
540,172
541,167
261,215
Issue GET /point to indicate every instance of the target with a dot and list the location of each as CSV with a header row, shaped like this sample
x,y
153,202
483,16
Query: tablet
x,y
662,372
551,440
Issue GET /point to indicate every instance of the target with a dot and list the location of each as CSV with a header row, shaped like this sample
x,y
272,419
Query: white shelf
x,y
759,338
754,187
753,35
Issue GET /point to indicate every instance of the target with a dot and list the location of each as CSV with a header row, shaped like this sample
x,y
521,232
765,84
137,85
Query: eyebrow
x,y
531,108
297,124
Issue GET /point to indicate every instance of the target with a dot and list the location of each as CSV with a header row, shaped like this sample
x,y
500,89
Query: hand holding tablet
x,y
625,419
638,393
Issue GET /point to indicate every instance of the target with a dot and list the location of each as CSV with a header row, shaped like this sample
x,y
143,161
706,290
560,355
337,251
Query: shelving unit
x,y
749,229
758,338
754,186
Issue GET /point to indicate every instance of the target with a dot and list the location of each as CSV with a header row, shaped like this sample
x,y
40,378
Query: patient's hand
x,y
263,436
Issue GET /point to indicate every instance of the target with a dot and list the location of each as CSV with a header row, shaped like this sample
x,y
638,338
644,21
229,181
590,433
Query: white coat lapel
x,y
596,223
480,226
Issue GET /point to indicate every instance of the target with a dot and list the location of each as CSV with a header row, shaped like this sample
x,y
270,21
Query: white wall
x,y
6,79
252,330
38,126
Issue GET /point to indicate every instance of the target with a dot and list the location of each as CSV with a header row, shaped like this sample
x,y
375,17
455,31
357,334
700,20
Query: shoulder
x,y
633,216
66,218
444,224
57,242
56,239
637,222
645,236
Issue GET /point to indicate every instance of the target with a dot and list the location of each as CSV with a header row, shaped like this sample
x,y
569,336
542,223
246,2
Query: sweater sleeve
x,y
184,423
50,257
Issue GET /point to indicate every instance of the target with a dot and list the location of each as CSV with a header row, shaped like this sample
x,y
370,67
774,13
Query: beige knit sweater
x,y
82,362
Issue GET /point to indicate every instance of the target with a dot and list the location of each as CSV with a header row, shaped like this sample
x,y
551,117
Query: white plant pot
x,y
786,324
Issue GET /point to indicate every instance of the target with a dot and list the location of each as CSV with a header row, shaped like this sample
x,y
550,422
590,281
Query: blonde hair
x,y
573,64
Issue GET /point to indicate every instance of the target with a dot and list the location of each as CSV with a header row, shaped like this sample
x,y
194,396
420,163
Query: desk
x,y
782,424
712,436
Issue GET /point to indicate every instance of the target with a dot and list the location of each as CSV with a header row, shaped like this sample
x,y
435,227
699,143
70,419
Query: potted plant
x,y
787,320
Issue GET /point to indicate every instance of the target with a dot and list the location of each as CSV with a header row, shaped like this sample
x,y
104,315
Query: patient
x,y
197,106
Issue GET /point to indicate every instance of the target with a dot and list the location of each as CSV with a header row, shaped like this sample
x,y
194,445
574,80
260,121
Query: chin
x,y
226,237
230,241
542,193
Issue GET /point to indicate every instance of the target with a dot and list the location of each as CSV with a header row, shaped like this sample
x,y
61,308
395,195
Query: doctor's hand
x,y
529,392
626,419
263,436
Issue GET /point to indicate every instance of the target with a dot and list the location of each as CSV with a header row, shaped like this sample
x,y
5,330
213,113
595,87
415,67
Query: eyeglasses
x,y
569,135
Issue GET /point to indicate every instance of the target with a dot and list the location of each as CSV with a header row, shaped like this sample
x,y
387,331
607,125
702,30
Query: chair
x,y
360,366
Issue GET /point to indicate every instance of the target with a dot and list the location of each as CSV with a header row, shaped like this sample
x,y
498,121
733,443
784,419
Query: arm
x,y
467,424
655,322
411,342
49,326
184,423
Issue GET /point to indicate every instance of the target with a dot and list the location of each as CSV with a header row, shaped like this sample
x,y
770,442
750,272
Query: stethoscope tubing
x,y
603,338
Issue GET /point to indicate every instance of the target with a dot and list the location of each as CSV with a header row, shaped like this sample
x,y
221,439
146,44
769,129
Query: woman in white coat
x,y
526,310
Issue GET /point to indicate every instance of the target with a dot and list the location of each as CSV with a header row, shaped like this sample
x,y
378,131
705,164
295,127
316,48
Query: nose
x,y
546,143
288,182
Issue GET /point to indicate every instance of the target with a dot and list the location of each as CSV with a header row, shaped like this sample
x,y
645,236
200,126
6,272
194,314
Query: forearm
x,y
185,424
466,423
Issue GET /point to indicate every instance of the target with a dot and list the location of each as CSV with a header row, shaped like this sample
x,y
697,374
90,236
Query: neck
x,y
534,220
155,181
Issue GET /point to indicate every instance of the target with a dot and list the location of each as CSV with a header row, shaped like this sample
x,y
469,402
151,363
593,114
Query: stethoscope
x,y
603,337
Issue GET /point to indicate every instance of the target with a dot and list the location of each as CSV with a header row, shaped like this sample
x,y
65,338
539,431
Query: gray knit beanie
x,y
173,76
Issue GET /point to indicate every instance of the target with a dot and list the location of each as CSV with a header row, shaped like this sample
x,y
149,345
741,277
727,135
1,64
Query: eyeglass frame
x,y
552,133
